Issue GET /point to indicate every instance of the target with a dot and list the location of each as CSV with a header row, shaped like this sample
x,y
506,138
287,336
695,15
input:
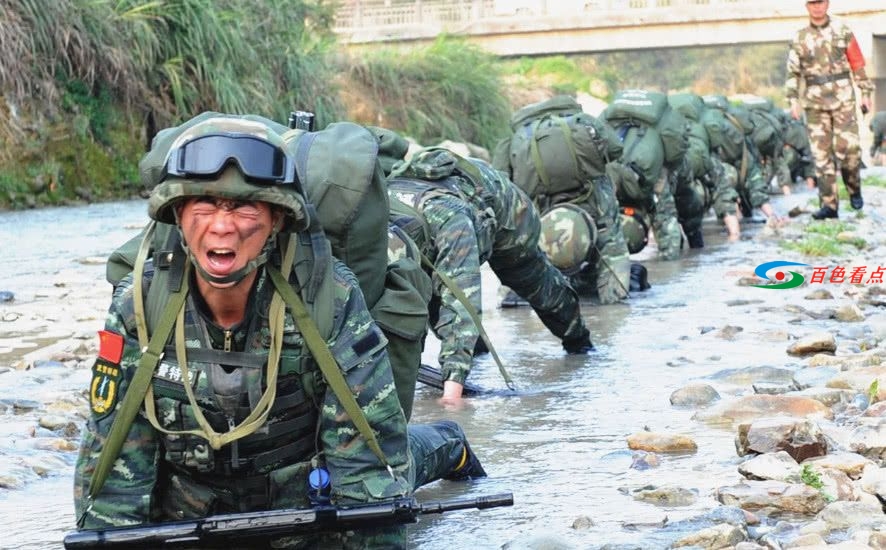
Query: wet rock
x,y
751,407
869,440
750,375
662,442
861,380
666,496
811,377
772,389
582,522
819,294
742,302
773,495
641,460
801,439
853,465
6,297
778,466
61,445
718,536
59,425
44,464
694,395
728,332
849,313
864,359
842,515
21,406
813,343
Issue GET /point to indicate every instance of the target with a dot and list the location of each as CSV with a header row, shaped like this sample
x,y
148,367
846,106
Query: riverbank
x,y
740,376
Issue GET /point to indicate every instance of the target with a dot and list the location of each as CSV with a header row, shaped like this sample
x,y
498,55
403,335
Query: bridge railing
x,y
380,20
358,16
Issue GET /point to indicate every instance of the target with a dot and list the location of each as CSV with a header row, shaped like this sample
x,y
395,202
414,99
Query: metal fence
x,y
374,16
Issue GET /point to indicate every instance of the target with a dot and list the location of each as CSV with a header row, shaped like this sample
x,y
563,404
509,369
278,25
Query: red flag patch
x,y
854,55
110,346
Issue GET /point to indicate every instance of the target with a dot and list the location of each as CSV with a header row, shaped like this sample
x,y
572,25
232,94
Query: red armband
x,y
854,55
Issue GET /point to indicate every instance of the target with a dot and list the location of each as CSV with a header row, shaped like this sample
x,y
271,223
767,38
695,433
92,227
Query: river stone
x,y
770,494
860,380
718,536
819,294
582,522
749,375
779,466
842,515
751,407
853,465
870,440
812,377
799,438
666,496
849,313
694,395
6,296
813,343
537,542
20,406
641,460
661,442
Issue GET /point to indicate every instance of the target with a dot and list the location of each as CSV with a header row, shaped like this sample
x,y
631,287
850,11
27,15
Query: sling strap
x,y
331,372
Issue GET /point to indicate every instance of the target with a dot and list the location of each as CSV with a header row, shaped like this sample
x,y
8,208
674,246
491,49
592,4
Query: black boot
x,y
695,239
579,345
856,201
639,278
824,212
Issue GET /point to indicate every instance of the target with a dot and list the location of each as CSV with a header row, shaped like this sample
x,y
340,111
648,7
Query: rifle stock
x,y
258,528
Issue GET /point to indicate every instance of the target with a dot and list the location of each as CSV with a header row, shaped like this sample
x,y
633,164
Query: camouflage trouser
x,y
665,226
692,202
436,448
611,271
527,270
833,136
725,182
789,167
776,168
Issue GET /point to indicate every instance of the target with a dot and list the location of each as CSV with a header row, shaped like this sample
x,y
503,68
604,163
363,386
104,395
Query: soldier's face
x,y
224,235
818,11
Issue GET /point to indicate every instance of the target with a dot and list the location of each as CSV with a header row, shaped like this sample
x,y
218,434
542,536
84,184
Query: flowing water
x,y
558,443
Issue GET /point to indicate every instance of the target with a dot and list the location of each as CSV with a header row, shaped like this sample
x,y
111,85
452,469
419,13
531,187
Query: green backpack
x,y
350,207
643,108
726,138
555,148
767,134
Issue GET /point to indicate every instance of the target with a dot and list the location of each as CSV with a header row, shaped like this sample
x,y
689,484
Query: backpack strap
x,y
331,372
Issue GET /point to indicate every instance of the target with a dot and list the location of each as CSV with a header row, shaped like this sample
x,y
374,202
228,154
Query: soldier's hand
x,y
810,183
795,111
452,390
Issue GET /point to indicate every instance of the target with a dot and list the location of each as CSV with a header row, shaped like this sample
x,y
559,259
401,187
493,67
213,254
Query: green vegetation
x,y
449,90
821,239
813,479
874,390
87,83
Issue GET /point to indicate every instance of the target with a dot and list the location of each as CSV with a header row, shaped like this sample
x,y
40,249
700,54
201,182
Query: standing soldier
x,y
826,57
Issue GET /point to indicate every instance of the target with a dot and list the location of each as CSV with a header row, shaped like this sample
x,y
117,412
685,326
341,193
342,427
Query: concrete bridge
x,y
547,27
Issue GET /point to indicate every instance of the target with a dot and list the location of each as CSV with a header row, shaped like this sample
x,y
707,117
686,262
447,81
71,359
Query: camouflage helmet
x,y
568,235
230,157
635,229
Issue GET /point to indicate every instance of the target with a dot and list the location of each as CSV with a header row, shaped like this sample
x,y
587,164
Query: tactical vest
x,y
415,193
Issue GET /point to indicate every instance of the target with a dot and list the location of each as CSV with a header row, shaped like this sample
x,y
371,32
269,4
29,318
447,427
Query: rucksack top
x,y
725,137
561,105
687,104
757,103
651,109
557,154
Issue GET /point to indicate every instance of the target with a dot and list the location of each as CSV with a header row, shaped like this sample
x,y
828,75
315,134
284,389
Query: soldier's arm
x,y
125,498
458,257
792,82
359,348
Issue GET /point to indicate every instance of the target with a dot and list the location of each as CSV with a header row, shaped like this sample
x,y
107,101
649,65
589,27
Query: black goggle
x,y
208,155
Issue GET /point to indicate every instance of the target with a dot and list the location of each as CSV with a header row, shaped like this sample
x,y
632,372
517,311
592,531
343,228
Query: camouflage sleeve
x,y
359,346
794,73
125,498
457,257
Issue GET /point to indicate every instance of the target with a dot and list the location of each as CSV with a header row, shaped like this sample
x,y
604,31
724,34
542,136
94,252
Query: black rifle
x,y
258,528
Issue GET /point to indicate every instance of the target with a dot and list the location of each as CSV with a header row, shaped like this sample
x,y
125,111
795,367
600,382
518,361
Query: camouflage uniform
x,y
798,161
878,146
817,59
608,273
160,476
665,220
725,194
461,236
